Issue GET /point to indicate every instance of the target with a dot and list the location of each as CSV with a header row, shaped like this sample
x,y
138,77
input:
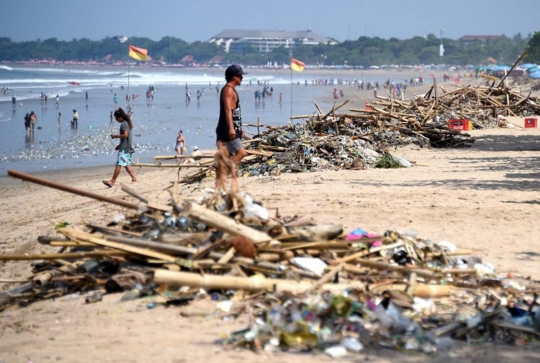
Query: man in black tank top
x,y
229,128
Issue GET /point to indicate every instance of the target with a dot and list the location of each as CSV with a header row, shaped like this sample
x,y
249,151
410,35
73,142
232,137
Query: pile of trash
x,y
296,149
304,285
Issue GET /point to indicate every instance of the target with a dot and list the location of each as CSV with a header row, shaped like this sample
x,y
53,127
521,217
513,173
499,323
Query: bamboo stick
x,y
328,276
318,108
513,66
400,269
430,291
145,200
71,244
65,188
180,157
85,237
259,153
223,223
54,256
240,283
227,256
273,148
335,108
167,165
300,116
109,230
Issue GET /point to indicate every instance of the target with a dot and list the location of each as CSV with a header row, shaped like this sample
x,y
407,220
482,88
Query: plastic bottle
x,y
336,352
183,223
351,344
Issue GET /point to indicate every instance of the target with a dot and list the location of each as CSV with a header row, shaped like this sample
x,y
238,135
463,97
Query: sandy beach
x,y
485,198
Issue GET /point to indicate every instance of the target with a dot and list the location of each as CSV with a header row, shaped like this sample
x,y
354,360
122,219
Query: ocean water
x,y
156,123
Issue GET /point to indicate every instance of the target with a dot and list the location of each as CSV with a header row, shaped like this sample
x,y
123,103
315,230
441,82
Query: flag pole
x,y
290,63
291,92
129,67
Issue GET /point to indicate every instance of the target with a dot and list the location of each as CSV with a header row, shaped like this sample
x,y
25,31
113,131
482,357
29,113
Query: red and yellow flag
x,y
297,65
138,53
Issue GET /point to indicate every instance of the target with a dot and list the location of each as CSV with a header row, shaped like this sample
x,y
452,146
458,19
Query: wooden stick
x,y
328,277
400,269
109,230
8,281
65,188
318,108
133,193
335,108
430,291
513,66
240,283
259,153
85,237
301,116
223,223
54,256
145,200
71,244
167,165
172,157
227,256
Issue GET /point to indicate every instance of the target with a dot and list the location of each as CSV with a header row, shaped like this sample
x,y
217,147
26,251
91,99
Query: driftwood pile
x,y
362,138
304,285
423,120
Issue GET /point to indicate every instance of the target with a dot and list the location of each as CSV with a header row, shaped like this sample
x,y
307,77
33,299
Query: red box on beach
x,y
460,124
531,122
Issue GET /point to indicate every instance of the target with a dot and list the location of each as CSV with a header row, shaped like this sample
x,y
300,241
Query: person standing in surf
x,y
180,143
27,123
229,128
125,147
75,120
33,120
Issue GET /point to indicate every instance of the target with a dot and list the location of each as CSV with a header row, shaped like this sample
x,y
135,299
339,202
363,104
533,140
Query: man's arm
x,y
229,102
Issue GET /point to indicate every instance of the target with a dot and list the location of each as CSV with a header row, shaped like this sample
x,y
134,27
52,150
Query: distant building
x,y
120,38
478,38
234,41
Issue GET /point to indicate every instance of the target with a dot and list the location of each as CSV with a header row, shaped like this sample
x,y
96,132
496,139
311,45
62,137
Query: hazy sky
x,y
201,19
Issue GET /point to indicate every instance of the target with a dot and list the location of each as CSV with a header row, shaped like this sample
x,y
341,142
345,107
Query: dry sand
x,y
486,198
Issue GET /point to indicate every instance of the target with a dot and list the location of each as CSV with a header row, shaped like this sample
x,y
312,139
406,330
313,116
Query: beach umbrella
x,y
501,68
528,65
535,75
533,69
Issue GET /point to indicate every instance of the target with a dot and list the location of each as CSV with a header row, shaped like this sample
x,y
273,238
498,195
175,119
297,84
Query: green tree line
x,y
365,51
